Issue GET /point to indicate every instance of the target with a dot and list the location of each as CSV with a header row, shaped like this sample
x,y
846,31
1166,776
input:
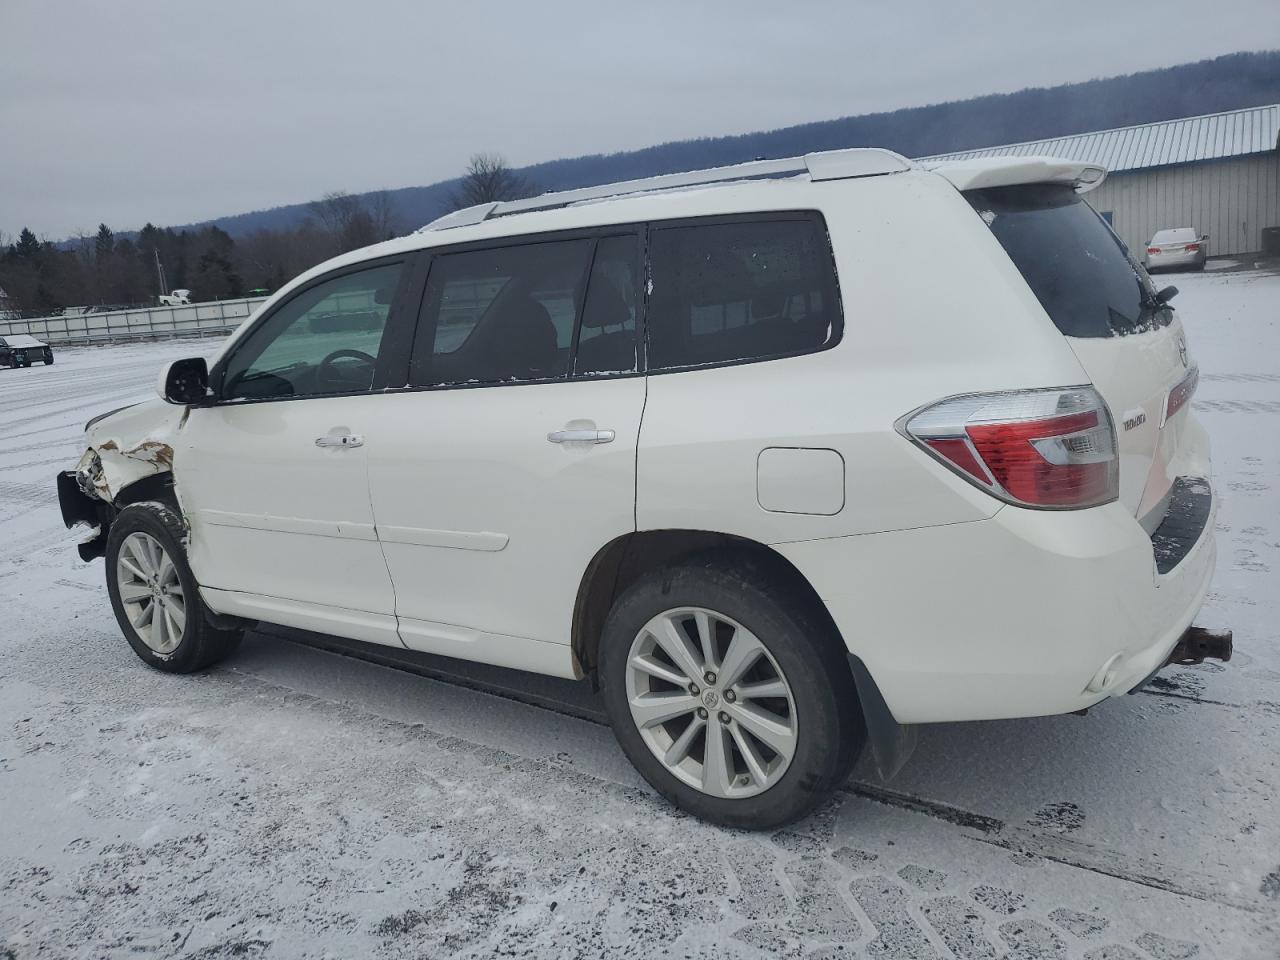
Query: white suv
x,y
717,441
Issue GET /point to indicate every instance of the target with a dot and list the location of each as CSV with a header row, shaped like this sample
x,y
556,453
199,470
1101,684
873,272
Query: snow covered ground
x,y
301,803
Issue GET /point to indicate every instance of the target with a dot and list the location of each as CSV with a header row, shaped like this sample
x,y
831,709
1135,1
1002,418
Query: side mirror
x,y
1205,237
184,382
1167,294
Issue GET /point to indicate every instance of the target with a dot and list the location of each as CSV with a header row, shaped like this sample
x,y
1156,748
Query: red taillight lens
x,y
1153,249
1192,248
1180,394
1039,448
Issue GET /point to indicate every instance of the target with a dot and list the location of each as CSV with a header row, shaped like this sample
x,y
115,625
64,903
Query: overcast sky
x,y
126,111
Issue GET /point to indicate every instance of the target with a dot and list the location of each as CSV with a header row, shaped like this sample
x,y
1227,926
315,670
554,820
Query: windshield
x,y
1079,270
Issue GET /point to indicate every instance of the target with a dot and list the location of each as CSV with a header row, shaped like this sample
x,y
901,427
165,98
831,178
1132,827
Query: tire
x,y
132,564
819,708
48,361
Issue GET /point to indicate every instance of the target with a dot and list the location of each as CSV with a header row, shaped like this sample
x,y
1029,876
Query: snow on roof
x,y
1214,136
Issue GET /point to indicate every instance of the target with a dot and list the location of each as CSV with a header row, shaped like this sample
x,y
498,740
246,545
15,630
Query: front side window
x,y
323,341
501,315
741,290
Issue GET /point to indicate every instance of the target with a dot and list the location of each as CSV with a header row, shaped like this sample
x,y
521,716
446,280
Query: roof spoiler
x,y
979,174
827,165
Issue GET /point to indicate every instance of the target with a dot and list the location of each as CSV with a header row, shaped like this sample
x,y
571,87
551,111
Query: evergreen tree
x,y
27,247
104,244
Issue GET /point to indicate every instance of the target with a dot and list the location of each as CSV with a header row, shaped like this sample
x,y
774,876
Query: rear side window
x,y
732,291
607,339
1076,266
501,315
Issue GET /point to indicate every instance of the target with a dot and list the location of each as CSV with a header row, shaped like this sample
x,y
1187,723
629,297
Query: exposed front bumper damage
x,y
124,447
79,507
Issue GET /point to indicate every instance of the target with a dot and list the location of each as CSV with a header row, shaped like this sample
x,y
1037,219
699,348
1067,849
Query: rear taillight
x,y
1036,448
1153,249
1180,394
1192,248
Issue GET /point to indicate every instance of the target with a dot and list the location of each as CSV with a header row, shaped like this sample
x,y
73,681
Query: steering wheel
x,y
331,375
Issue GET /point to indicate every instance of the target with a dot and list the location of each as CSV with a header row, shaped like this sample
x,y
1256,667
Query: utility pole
x,y
164,287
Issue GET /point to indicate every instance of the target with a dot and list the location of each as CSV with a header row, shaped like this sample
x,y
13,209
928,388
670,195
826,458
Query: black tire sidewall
x,y
829,723
157,521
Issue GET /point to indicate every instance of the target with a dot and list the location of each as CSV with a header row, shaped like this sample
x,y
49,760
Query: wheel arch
x,y
625,559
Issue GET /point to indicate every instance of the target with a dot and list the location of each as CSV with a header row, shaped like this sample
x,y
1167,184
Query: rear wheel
x,y
154,595
730,698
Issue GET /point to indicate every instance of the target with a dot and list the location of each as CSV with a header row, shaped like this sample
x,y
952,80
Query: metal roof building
x,y
1219,173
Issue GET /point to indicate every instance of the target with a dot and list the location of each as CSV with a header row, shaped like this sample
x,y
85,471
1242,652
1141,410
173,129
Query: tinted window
x,y
1078,269
742,290
504,314
1180,235
607,339
323,341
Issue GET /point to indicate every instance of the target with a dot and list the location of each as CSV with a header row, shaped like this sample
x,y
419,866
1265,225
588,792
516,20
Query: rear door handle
x,y
345,441
581,436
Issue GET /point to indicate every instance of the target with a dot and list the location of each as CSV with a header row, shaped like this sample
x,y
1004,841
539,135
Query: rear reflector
x,y
1052,449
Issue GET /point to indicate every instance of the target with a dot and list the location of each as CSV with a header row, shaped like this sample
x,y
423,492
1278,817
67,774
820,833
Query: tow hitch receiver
x,y
1198,645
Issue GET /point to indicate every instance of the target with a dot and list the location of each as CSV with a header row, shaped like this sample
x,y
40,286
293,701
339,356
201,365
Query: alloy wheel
x,y
151,592
711,703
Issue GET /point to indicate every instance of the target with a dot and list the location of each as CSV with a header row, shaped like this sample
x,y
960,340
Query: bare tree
x,y
488,178
385,223
354,221
335,211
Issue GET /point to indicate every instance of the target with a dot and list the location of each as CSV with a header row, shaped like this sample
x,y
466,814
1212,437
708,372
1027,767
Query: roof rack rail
x,y
827,165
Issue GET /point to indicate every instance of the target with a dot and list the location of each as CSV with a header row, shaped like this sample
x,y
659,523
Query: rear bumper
x,y
1029,613
1173,260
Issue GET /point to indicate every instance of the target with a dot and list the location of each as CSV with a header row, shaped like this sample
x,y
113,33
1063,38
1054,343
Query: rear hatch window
x,y
1079,270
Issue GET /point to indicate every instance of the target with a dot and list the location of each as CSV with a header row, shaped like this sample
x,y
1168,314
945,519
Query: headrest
x,y
605,306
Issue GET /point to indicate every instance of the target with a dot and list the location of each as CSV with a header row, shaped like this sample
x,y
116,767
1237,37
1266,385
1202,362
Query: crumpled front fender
x,y
130,445
124,448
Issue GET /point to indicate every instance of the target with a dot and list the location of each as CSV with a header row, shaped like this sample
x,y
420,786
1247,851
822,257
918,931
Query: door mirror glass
x,y
185,381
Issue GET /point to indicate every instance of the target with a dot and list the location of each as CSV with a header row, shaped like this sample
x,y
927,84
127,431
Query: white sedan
x,y
1177,247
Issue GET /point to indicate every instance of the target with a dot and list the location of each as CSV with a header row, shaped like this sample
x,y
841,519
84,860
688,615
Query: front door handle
x,y
344,441
581,436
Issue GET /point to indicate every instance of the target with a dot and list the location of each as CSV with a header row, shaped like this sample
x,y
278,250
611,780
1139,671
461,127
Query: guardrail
x,y
197,319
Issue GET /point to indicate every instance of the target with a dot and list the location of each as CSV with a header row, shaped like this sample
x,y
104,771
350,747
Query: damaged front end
x,y
126,449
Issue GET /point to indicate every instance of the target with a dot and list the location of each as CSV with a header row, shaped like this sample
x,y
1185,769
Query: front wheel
x,y
728,695
155,596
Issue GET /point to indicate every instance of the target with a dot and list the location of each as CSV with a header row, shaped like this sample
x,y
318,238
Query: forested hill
x,y
1207,86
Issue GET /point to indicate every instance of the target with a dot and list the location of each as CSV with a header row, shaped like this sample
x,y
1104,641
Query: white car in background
x,y
710,441
1177,248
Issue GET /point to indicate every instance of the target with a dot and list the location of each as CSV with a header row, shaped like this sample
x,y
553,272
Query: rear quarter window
x,y
1079,270
740,290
